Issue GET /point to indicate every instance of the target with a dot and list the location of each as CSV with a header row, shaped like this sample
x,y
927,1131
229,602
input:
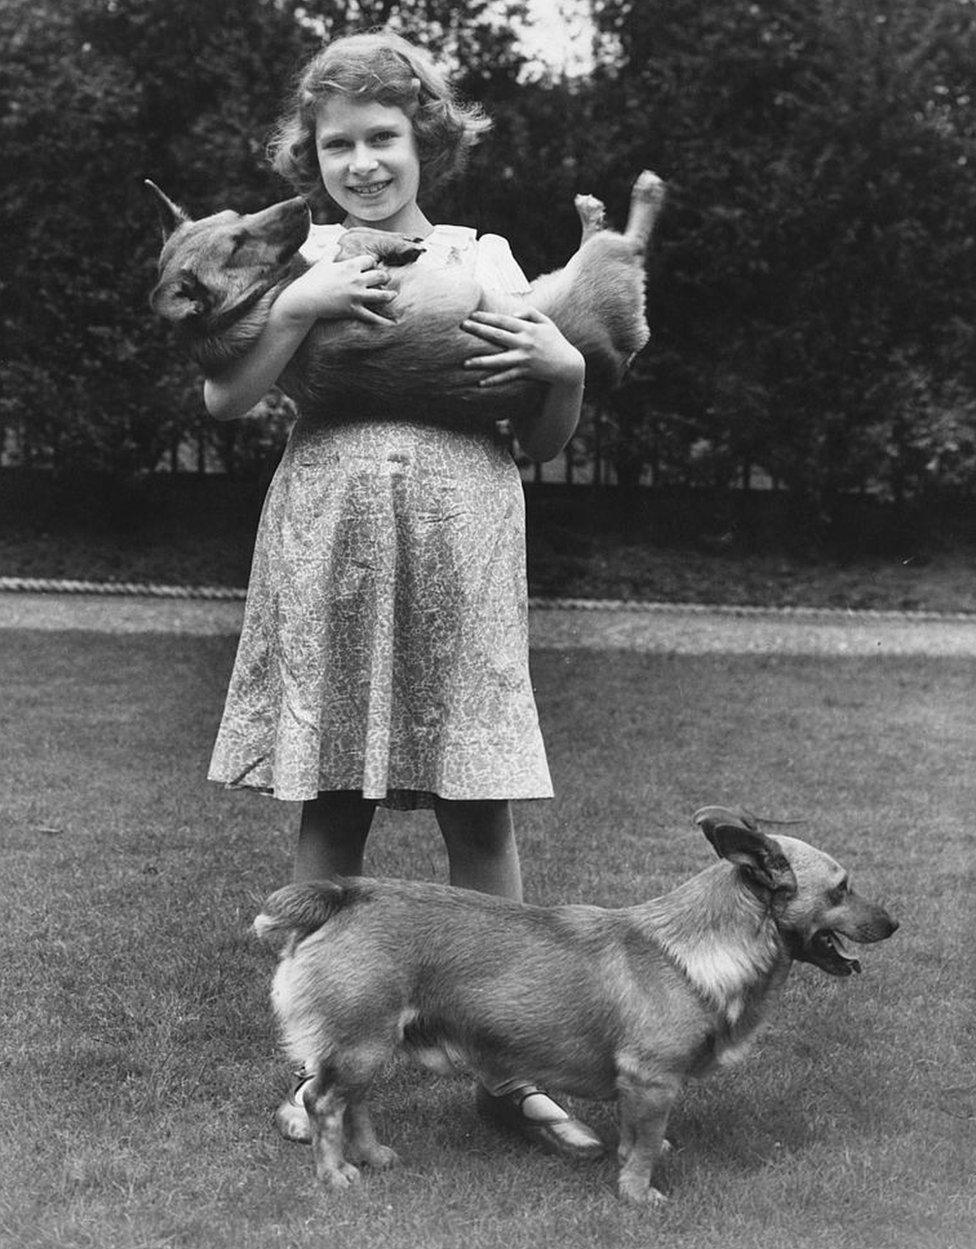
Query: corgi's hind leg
x,y
646,202
361,1141
335,1098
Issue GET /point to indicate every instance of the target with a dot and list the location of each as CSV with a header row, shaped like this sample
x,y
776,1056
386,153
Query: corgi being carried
x,y
219,276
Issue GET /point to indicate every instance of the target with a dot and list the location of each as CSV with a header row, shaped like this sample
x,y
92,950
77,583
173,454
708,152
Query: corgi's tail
x,y
293,913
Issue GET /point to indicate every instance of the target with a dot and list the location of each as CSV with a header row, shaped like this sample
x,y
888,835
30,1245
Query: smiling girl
x,y
384,652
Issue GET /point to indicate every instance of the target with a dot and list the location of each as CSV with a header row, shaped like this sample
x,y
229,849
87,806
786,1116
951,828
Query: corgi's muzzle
x,y
825,947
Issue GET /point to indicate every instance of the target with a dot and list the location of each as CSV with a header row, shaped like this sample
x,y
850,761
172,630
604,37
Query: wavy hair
x,y
386,68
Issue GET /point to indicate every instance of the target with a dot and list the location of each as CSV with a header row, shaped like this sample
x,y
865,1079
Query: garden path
x,y
690,629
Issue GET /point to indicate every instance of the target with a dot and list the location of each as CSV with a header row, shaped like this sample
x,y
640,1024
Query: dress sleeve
x,y
497,269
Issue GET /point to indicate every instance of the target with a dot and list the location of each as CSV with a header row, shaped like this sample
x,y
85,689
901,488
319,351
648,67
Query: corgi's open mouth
x,y
827,950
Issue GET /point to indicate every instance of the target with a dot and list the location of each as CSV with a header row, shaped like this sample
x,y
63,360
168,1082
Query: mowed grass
x,y
139,1061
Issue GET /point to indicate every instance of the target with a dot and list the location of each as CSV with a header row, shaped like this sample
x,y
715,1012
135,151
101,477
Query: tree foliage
x,y
820,248
811,287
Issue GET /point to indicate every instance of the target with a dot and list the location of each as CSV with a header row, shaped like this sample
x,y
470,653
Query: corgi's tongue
x,y
833,943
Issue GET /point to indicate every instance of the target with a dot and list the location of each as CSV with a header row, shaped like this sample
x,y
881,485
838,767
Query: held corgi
x,y
219,276
607,1004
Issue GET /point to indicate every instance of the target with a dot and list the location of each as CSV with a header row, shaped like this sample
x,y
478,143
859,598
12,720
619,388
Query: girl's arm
x,y
530,347
327,291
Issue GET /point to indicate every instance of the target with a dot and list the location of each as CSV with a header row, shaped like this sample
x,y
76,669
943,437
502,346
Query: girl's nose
x,y
362,160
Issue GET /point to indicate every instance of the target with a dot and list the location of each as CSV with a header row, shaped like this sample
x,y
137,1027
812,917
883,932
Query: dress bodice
x,y
488,257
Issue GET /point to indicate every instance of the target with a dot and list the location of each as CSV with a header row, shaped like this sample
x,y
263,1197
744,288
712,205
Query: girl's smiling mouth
x,y
369,189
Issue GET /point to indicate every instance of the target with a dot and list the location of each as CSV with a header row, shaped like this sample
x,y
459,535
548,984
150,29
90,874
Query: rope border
x,y
142,589
236,594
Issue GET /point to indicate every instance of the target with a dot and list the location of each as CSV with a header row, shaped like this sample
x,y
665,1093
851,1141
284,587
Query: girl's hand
x,y
526,346
337,290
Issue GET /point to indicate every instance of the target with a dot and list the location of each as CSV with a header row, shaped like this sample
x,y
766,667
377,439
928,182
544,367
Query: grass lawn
x,y
139,1062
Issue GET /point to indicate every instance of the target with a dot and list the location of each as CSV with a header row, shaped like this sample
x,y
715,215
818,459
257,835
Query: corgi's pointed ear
x,y
170,214
181,298
735,836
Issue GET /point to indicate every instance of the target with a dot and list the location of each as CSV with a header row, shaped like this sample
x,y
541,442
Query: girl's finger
x,y
500,379
377,296
512,322
489,333
494,360
352,265
368,315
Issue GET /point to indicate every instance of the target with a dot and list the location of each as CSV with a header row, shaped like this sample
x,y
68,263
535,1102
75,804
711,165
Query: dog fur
x,y
606,1004
219,276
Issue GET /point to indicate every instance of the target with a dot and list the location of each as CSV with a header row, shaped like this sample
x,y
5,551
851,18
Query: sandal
x,y
556,1130
291,1117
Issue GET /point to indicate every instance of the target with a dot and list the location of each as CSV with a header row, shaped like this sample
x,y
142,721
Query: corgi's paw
x,y
650,188
591,212
339,1177
379,1157
639,1191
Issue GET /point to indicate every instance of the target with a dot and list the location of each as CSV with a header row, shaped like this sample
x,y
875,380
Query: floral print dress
x,y
385,639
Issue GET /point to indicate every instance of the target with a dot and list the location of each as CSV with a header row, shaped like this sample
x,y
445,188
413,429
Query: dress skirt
x,y
385,638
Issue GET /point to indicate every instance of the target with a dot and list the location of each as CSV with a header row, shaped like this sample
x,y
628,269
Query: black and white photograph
x,y
488,624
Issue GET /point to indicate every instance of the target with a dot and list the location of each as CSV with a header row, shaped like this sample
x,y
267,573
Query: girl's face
x,y
368,159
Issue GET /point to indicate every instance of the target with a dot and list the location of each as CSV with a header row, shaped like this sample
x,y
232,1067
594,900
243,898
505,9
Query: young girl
x,y
384,651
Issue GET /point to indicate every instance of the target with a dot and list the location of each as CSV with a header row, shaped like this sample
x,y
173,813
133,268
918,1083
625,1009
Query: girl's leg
x,y
482,854
332,835
481,849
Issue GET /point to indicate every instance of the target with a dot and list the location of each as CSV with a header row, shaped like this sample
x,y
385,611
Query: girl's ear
x,y
170,215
